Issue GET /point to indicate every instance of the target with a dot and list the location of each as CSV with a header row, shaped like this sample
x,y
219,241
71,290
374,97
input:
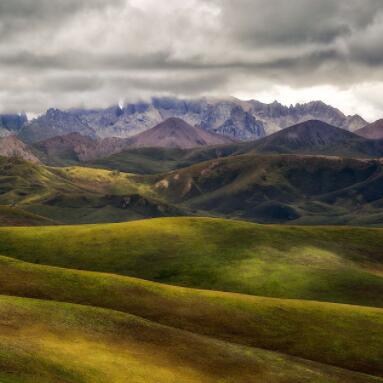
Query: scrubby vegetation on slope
x,y
77,195
281,189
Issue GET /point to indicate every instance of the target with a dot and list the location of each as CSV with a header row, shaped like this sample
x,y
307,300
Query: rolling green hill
x,y
66,325
78,195
67,343
332,264
324,329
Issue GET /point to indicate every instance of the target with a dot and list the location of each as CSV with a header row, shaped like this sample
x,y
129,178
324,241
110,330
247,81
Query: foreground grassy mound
x,y
328,333
50,342
335,264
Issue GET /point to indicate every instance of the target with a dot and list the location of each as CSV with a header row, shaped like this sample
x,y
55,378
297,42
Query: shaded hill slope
x,y
161,160
13,216
267,188
70,343
78,194
329,264
372,131
327,326
283,188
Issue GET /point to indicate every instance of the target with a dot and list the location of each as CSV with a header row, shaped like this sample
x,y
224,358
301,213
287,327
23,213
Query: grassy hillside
x,y
13,216
324,329
68,343
161,160
266,189
76,194
272,189
335,264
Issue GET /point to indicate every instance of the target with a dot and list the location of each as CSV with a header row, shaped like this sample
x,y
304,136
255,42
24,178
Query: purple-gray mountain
x,y
236,119
12,123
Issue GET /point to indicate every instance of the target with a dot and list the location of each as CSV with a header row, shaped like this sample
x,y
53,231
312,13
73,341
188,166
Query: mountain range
x,y
311,172
175,143
236,119
171,133
316,137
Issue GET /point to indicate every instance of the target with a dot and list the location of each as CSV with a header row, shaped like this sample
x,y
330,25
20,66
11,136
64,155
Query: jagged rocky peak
x,y
12,123
54,122
233,118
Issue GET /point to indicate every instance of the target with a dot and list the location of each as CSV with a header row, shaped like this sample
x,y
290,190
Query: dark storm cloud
x,y
277,22
19,16
72,51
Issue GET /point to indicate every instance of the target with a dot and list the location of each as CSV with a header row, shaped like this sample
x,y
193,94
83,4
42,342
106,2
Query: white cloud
x,y
365,99
92,52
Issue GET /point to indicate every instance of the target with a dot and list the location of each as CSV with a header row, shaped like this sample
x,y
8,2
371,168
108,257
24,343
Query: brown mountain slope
x,y
76,147
315,137
11,146
373,131
176,133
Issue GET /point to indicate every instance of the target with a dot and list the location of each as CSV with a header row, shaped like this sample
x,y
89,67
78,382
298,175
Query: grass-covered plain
x,y
335,264
334,334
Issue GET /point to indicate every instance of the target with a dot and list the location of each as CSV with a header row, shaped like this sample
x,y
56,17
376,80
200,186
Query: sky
x,y
94,53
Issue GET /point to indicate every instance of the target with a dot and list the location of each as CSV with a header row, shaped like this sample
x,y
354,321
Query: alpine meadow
x,y
191,191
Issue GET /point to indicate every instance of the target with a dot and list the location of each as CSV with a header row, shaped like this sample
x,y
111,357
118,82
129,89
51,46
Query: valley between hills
x,y
216,251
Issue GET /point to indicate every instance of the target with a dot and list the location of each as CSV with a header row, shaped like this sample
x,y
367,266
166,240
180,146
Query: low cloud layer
x,y
93,53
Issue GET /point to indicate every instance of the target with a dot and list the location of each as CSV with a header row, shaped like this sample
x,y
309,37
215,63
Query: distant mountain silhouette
x,y
176,133
316,137
373,131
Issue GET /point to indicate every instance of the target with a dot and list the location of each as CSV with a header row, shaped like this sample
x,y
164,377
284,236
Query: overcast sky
x,y
67,53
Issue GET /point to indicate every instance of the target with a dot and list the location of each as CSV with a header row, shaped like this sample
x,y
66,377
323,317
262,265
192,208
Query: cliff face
x,y
11,146
76,147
